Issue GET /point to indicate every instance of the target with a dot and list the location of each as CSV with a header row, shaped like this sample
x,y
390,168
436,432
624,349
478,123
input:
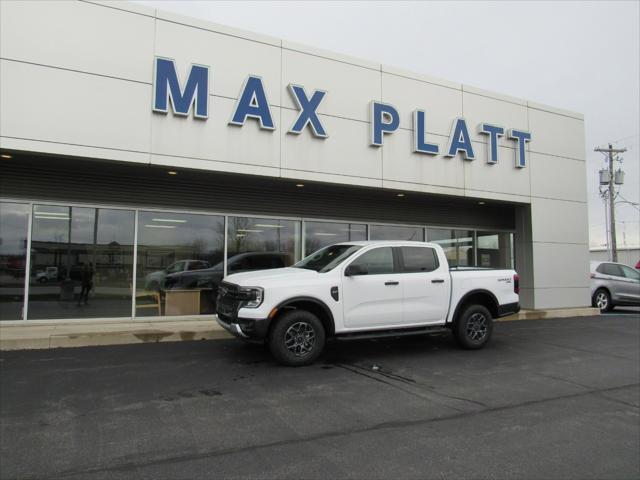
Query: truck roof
x,y
365,243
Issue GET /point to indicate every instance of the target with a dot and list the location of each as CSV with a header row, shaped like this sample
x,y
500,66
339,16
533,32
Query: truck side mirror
x,y
354,270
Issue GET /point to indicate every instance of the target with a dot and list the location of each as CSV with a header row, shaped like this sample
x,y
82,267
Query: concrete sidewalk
x,y
26,335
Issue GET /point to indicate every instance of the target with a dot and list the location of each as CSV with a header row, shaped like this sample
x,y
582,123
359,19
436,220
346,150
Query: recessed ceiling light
x,y
299,185
172,172
481,203
400,195
6,155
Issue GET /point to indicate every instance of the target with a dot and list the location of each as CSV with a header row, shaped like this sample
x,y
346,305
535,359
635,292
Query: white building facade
x,y
139,146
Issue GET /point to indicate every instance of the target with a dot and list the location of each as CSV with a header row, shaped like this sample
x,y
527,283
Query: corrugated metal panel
x,y
82,181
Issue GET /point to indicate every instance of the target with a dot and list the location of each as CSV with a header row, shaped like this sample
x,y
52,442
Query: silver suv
x,y
613,285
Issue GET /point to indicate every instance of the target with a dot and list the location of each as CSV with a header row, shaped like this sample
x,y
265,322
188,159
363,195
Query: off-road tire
x,y
297,338
473,328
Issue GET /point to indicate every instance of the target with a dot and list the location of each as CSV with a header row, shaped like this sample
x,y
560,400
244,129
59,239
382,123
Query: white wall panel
x,y
480,109
350,88
501,177
556,134
215,139
557,177
68,107
562,297
78,36
559,221
231,60
442,104
402,165
560,265
339,154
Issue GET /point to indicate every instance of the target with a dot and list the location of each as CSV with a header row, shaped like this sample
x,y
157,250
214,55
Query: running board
x,y
398,332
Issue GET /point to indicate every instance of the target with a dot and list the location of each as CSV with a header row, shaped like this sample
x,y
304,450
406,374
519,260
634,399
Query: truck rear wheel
x,y
473,328
297,338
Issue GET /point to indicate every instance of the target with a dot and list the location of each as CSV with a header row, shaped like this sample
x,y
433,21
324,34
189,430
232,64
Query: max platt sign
x,y
384,118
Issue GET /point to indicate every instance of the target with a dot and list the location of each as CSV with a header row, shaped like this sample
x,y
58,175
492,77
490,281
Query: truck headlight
x,y
252,297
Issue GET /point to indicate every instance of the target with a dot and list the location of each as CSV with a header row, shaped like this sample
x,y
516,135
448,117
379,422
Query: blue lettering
x,y
253,104
419,134
459,141
494,132
384,119
308,110
166,86
521,137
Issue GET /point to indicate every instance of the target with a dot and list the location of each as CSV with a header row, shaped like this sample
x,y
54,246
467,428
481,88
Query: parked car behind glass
x,y
155,280
613,285
210,278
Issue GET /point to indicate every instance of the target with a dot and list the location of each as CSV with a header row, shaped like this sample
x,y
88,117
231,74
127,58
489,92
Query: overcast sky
x,y
581,56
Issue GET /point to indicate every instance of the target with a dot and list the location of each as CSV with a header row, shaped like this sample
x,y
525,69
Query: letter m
x,y
166,87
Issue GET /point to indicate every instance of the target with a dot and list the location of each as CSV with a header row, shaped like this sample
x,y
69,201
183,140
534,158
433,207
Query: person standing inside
x,y
87,283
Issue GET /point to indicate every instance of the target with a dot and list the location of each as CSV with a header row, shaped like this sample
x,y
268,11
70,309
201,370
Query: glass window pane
x,y
261,243
376,261
392,232
168,245
81,262
457,245
419,259
14,224
631,273
321,234
495,249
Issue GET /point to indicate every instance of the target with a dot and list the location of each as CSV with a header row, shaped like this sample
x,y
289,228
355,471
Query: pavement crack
x,y
412,382
125,466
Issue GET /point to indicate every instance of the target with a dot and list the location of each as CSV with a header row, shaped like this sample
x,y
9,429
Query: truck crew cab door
x,y
372,292
426,284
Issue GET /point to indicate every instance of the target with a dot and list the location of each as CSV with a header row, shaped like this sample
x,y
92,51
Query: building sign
x,y
385,119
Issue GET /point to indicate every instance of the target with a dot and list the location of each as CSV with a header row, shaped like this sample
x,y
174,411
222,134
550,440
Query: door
x,y
615,280
373,297
426,285
630,290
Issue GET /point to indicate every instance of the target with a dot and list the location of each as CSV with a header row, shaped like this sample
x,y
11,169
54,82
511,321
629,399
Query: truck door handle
x,y
391,283
437,280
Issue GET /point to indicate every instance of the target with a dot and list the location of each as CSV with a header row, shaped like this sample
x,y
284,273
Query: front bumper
x,y
249,329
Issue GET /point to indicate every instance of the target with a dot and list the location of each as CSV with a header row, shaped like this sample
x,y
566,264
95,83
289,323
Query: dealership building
x,y
138,145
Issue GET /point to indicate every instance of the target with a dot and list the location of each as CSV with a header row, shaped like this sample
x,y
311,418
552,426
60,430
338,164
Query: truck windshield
x,y
327,258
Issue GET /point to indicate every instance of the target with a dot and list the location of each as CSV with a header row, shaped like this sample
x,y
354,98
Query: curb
x,y
86,334
551,314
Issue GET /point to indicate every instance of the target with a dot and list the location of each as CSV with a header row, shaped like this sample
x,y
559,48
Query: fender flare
x,y
480,291
326,310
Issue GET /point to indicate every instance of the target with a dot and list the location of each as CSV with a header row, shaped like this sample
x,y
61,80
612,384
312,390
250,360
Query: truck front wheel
x,y
297,338
473,328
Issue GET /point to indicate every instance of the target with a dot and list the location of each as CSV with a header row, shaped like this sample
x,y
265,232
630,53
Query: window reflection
x,y
495,249
321,234
81,262
179,263
259,243
457,245
393,232
14,219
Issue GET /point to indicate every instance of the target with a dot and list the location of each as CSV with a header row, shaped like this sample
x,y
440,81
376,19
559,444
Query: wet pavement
x,y
546,399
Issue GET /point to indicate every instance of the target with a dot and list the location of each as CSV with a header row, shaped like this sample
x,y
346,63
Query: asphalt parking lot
x,y
547,399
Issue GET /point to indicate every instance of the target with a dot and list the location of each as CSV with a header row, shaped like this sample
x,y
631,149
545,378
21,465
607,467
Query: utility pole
x,y
610,193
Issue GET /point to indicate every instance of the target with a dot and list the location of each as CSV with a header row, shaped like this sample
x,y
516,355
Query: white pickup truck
x,y
362,290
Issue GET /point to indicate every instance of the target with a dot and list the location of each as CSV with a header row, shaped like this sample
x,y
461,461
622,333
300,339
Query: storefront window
x,y
457,245
81,262
179,264
14,219
262,243
495,249
321,234
392,232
